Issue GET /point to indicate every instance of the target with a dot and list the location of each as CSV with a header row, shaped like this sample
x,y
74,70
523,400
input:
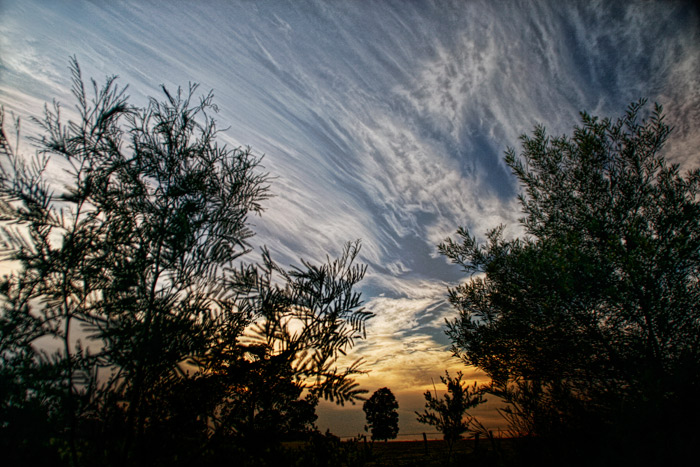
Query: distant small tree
x,y
382,418
449,413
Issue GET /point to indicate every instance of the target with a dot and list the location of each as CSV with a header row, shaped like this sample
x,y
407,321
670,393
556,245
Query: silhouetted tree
x,y
589,323
382,417
130,326
305,320
449,413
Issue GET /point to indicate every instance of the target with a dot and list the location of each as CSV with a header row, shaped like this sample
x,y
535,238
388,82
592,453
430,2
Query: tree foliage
x,y
132,331
449,413
382,417
590,321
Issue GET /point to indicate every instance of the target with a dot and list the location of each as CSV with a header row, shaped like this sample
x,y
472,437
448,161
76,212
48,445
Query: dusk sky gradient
x,y
384,121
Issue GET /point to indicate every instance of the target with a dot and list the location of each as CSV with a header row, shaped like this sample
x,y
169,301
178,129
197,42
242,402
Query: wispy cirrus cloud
x,y
383,121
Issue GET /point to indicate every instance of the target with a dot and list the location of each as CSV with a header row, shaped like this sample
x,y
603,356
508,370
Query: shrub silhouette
x,y
449,413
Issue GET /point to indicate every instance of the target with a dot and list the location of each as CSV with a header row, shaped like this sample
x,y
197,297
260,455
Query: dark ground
x,y
436,453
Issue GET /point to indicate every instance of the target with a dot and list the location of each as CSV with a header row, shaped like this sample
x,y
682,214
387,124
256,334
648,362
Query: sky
x,y
384,121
